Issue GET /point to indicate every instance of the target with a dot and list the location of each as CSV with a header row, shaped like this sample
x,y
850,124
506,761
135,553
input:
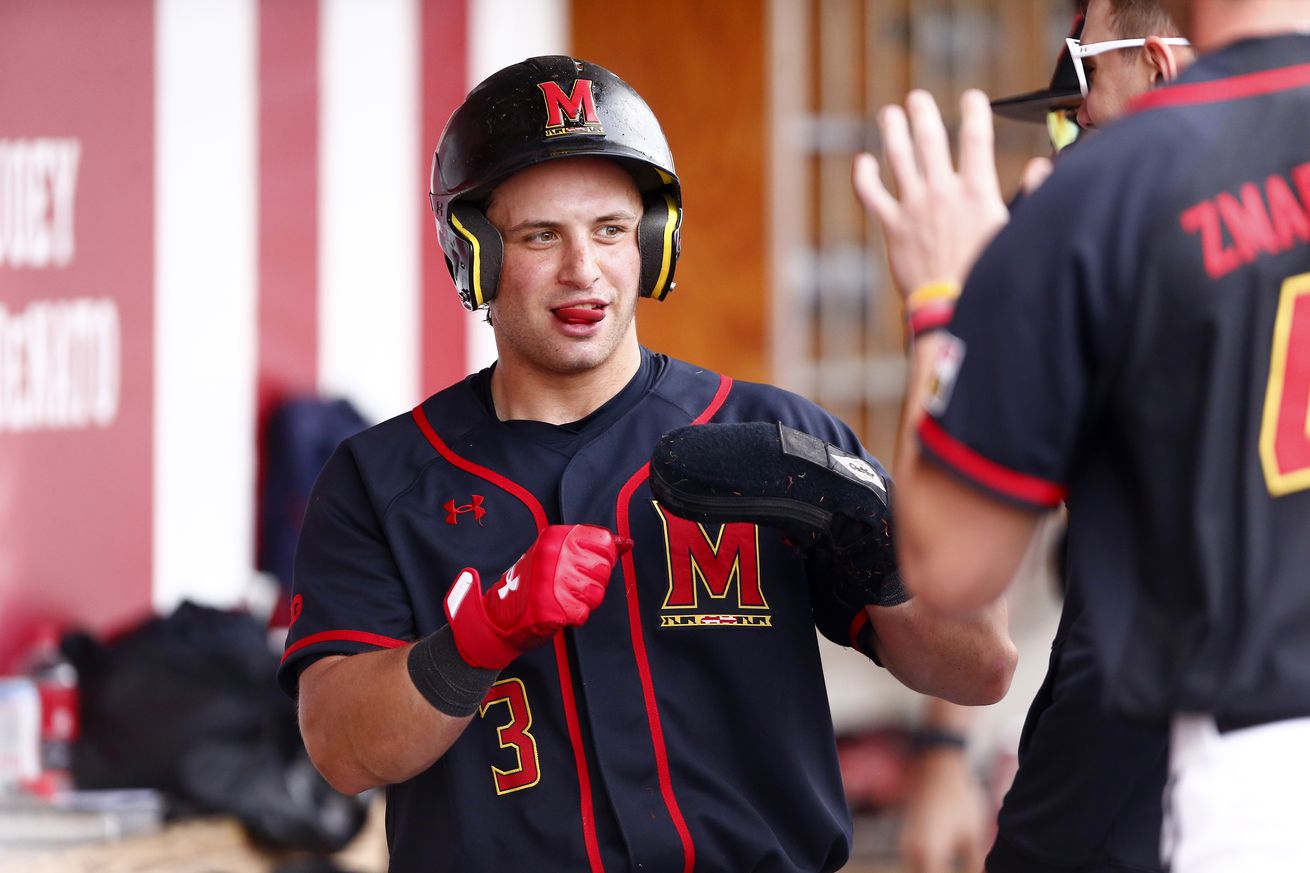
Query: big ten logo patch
x,y
721,562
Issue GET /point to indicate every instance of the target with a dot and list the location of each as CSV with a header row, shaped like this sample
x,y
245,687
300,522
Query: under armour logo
x,y
453,512
511,582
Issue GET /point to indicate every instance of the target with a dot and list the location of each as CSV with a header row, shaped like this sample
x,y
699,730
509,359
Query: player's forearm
x,y
365,724
957,547
920,540
923,353
968,660
967,657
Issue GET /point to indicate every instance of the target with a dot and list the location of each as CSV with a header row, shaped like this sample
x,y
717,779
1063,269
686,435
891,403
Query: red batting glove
x,y
559,580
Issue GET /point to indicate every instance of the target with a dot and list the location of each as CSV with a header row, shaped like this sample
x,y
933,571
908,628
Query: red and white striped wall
x,y
207,206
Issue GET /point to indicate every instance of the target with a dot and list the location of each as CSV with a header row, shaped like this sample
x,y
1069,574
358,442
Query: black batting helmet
x,y
535,111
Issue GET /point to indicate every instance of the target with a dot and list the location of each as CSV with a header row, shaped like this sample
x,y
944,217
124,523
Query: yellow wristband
x,y
932,292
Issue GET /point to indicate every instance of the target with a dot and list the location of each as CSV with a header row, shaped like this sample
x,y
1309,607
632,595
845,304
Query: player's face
x,y
568,283
1114,78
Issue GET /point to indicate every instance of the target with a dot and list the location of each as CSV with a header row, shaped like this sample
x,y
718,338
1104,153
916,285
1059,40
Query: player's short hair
x,y
1136,18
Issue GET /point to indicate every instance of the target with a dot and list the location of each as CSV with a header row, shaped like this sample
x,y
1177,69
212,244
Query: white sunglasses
x,y
1078,51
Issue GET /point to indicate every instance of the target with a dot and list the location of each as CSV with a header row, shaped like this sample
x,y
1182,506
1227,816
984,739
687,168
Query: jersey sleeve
x,y
1024,359
348,595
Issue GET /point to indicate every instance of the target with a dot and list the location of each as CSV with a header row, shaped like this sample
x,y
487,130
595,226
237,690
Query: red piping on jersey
x,y
586,811
857,625
1020,486
639,642
349,636
1232,88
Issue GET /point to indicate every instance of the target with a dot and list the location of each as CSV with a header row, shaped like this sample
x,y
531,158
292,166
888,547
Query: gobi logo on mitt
x,y
574,112
860,469
716,565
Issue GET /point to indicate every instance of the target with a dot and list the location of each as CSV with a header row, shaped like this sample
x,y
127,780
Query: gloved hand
x,y
833,504
559,580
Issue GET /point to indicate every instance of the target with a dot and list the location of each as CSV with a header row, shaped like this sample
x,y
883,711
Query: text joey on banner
x,y
38,182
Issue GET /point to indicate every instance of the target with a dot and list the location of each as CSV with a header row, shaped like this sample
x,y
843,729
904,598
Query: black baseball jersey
x,y
684,725
1138,340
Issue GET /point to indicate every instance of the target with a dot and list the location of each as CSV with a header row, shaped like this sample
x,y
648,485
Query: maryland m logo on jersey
x,y
714,576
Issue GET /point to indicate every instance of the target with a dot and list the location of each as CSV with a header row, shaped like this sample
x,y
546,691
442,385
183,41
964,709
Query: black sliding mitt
x,y
834,505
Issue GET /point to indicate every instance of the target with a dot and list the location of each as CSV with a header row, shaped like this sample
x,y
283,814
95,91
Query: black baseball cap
x,y
1063,92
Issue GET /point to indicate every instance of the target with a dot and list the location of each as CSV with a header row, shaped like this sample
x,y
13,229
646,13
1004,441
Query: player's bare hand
x,y
945,817
940,217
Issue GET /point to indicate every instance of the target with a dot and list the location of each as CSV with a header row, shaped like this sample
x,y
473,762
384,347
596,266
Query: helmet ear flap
x,y
482,252
659,239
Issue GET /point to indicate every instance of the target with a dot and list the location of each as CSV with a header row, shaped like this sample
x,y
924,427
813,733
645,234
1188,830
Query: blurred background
x,y
213,214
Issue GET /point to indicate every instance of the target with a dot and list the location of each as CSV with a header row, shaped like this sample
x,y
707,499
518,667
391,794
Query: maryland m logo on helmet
x,y
571,113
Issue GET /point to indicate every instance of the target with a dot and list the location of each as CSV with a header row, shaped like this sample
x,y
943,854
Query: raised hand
x,y
940,218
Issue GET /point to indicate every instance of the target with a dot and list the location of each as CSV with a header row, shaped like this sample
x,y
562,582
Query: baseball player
x,y
548,669
1133,341
1087,795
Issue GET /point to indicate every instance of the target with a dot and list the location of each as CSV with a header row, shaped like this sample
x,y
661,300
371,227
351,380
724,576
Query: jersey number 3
x,y
514,734
1285,427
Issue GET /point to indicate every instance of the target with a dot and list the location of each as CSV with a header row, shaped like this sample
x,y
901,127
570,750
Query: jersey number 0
x,y
1285,427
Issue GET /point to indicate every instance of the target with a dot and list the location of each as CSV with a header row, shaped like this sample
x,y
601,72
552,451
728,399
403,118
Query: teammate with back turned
x,y
1087,797
1136,340
547,668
